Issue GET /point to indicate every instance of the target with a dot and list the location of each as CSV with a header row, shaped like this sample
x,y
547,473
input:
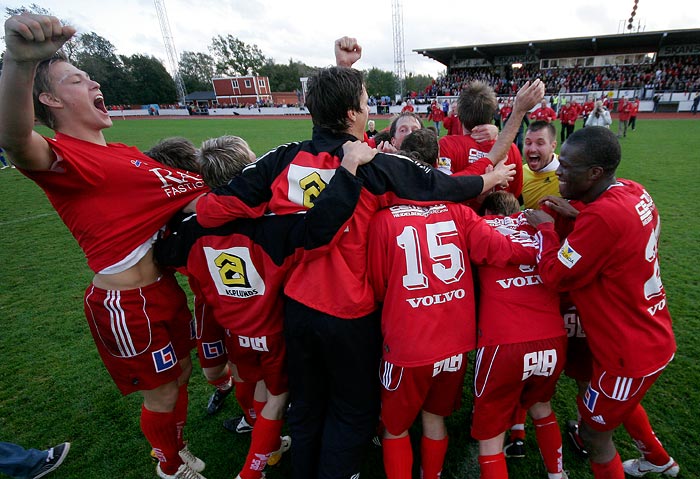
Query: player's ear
x,y
49,100
595,173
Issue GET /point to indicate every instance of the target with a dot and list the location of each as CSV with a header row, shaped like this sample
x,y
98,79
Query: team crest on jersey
x,y
567,255
306,184
165,358
590,398
213,350
233,272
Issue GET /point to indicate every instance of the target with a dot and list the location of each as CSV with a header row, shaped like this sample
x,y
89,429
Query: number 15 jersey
x,y
419,267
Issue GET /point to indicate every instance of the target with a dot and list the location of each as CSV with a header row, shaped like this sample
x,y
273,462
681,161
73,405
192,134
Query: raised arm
x,y
528,96
29,39
347,52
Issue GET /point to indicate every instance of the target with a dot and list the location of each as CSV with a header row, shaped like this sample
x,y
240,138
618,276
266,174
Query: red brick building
x,y
243,90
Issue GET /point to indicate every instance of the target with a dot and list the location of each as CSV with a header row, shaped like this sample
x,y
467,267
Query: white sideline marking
x,y
25,219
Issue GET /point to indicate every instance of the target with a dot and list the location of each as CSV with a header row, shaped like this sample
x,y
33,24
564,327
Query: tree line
x,y
143,79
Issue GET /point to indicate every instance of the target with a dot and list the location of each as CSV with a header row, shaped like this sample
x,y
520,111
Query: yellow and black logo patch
x,y
232,270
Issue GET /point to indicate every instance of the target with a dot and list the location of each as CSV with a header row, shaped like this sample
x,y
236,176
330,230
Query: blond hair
x,y
222,158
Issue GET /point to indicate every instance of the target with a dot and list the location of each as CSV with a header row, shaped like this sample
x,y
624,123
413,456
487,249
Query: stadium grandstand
x,y
665,64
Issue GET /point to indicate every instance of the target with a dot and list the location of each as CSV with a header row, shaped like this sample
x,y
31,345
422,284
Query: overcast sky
x,y
304,30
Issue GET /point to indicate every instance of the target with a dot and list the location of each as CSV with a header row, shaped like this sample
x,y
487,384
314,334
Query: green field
x,y
53,387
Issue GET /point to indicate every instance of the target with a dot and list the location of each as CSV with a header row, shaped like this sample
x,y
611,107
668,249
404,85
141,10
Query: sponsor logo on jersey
x,y
645,208
233,272
449,365
399,211
599,419
590,398
213,350
256,344
475,155
445,162
175,182
305,184
165,358
437,298
567,255
520,281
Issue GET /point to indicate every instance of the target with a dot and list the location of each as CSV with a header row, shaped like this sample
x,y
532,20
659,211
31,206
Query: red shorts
x,y
511,375
609,399
579,361
211,336
140,333
259,358
435,388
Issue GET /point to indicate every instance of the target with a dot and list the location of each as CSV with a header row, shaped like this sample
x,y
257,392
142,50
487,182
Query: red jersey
x,y
407,108
610,266
289,178
112,198
419,268
468,156
634,109
568,114
624,108
436,114
514,304
609,103
505,112
544,113
453,125
240,267
588,107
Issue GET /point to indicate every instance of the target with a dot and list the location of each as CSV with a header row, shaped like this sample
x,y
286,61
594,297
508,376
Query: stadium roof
x,y
644,42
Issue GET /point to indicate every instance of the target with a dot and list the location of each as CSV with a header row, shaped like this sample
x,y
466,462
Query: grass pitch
x,y
53,387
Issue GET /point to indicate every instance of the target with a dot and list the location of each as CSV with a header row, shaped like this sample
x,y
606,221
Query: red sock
x,y
180,412
493,467
549,441
161,432
638,426
264,441
258,407
517,430
432,454
223,382
609,470
244,395
398,457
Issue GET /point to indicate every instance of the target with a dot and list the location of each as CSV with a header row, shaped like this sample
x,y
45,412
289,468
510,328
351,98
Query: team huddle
x,y
329,262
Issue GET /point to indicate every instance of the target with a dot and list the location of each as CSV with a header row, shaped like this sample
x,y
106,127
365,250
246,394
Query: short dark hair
x,y
42,84
331,93
382,135
177,152
476,105
422,145
395,121
543,125
598,147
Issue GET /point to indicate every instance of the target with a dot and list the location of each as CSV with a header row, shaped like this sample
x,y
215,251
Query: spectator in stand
x,y
408,107
624,110
451,122
544,113
600,116
611,270
634,110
